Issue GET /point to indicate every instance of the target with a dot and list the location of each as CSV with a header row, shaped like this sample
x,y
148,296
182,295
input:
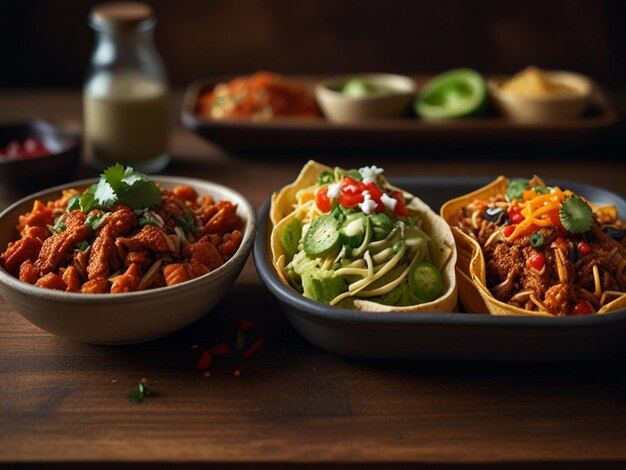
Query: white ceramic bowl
x,y
543,110
124,318
339,107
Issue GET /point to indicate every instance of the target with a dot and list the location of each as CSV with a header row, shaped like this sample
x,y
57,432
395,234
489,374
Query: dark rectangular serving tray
x,y
457,336
410,132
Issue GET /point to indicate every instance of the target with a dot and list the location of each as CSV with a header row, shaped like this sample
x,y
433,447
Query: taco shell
x,y
282,212
471,267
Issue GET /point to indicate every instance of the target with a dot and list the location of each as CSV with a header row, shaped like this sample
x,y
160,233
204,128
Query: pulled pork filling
x,y
555,276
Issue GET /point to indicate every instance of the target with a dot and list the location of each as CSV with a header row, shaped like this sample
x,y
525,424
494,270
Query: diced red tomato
x,y
582,308
400,208
375,194
350,199
322,200
537,261
508,230
374,191
584,248
14,149
350,185
30,148
515,214
34,147
351,192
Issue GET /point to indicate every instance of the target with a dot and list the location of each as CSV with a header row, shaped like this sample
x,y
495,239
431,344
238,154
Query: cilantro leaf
x,y
119,185
105,195
134,178
73,203
137,396
88,199
576,215
59,226
148,219
94,221
515,189
114,176
142,194
82,246
186,223
326,177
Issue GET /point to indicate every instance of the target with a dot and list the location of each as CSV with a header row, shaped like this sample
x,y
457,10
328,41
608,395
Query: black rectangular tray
x,y
458,336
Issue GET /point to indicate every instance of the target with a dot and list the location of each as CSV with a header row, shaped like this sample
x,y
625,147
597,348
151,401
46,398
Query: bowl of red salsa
x,y
35,155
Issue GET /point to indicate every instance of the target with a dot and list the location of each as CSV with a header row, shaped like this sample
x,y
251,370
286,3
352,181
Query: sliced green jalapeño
x,y
454,94
425,281
322,236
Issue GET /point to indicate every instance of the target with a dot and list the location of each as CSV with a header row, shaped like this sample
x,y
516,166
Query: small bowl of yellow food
x,y
536,96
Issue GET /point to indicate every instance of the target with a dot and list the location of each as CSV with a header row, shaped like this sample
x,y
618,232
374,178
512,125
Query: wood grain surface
x,y
293,403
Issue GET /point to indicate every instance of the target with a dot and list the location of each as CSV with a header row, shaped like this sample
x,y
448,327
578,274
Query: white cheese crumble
x,y
370,173
368,206
334,190
389,202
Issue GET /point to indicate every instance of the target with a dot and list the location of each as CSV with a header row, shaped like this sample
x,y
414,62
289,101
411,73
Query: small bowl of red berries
x,y
35,155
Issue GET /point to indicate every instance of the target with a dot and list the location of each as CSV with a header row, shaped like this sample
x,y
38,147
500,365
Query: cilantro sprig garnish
x,y
119,185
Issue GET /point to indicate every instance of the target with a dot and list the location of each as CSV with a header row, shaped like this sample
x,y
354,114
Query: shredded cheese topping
x,y
539,210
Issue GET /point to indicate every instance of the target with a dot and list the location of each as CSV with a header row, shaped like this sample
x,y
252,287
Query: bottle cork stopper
x,y
121,13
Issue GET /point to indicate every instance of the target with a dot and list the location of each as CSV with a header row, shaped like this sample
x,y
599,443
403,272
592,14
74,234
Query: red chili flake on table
x,y
220,349
245,325
205,360
253,349
232,353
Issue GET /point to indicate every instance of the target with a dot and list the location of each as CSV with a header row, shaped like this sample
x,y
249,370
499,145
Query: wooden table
x,y
293,403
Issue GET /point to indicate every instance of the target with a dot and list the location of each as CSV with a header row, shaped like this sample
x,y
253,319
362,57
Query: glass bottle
x,y
125,92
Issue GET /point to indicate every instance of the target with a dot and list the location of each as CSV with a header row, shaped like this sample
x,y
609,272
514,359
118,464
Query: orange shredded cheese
x,y
538,211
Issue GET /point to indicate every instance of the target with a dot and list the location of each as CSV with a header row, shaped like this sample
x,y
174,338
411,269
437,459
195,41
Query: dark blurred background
x,y
47,43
